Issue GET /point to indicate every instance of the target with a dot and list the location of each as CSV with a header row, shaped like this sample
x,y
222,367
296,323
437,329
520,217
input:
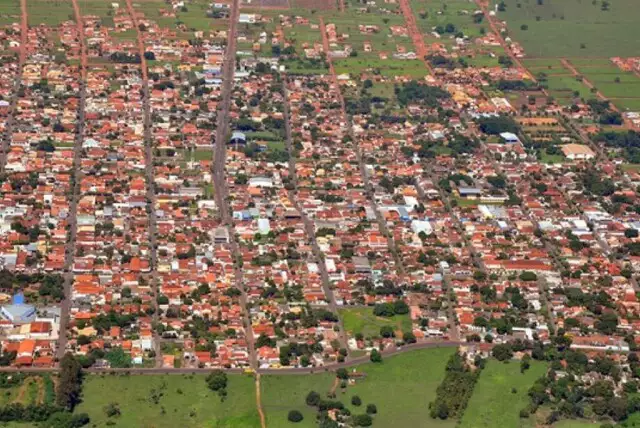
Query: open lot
x,y
362,320
494,402
169,401
573,28
412,377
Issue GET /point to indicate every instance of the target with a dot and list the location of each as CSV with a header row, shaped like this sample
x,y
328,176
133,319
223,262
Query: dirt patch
x,y
40,396
266,4
314,4
22,392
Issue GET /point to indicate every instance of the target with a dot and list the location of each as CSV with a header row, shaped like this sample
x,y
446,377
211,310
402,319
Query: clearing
x,y
493,402
362,320
412,377
169,401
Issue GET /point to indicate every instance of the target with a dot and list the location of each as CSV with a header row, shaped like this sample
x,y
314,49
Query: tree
x,y
400,307
409,337
295,416
387,331
313,398
342,373
528,276
217,380
70,383
372,409
362,420
112,410
502,352
356,401
375,356
525,363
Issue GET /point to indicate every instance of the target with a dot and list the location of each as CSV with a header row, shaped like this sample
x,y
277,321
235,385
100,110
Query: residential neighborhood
x,y
438,190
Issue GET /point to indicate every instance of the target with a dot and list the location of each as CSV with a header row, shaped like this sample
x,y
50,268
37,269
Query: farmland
x,y
573,28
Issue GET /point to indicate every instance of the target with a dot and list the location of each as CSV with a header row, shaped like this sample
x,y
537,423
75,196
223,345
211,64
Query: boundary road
x,y
296,371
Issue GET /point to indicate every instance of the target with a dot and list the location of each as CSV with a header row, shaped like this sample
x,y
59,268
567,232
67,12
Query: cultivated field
x,y
574,28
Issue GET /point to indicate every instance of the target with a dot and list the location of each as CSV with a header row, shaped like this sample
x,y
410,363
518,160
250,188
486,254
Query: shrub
x,y
295,416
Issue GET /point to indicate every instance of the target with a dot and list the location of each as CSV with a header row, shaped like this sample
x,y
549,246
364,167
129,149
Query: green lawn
x,y
493,402
362,320
401,387
169,401
547,158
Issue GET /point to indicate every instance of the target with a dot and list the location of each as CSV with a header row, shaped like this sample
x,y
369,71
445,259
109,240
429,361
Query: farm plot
x,y
573,28
49,12
622,88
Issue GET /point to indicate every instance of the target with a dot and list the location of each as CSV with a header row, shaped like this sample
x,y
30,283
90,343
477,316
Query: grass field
x,y
577,28
401,387
362,320
493,402
169,401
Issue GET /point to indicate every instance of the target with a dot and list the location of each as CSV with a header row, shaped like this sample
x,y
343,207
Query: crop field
x,y
9,12
500,394
169,401
573,28
49,12
413,377
362,320
622,88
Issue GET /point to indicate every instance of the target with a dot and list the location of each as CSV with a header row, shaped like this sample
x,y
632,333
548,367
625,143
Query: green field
x,y
493,402
412,378
169,401
559,28
362,320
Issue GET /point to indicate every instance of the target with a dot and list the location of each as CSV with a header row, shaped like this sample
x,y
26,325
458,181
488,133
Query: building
x,y
578,152
510,138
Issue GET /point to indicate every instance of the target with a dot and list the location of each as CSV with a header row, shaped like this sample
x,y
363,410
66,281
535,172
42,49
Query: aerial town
x,y
268,186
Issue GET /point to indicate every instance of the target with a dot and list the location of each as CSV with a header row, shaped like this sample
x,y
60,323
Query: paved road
x,y
293,371
149,176
75,191
308,223
218,172
382,223
13,103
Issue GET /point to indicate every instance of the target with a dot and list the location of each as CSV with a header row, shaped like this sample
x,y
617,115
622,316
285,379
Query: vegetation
x,y
70,383
500,393
169,401
456,388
